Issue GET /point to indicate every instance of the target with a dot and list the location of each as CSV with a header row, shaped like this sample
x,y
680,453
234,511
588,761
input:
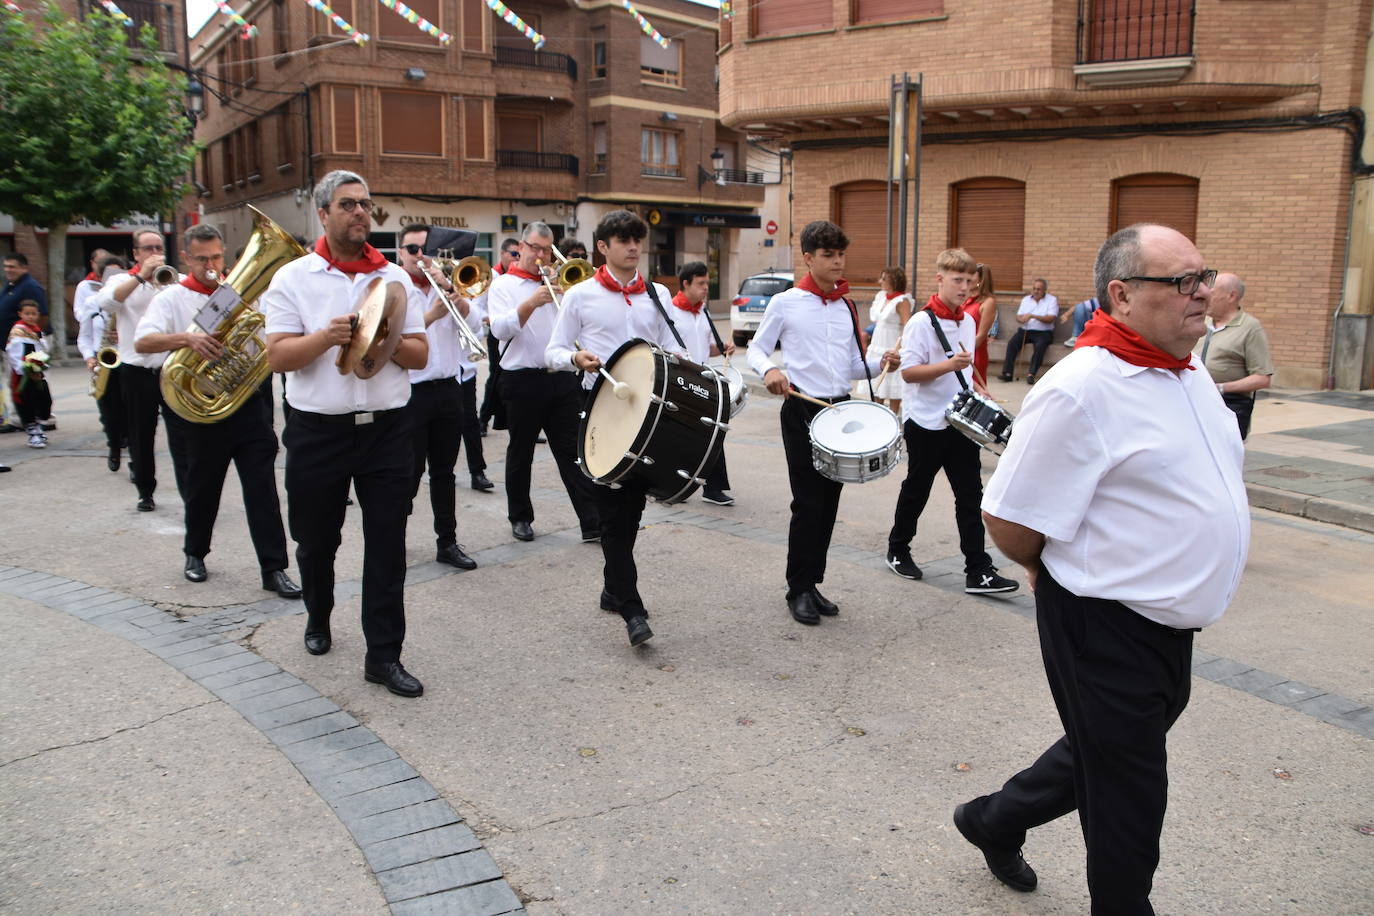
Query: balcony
x,y
739,176
539,162
529,59
1130,43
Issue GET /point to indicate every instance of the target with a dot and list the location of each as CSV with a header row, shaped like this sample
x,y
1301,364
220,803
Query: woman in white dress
x,y
890,310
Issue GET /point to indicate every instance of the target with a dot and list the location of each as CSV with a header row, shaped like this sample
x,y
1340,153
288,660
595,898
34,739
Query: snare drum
x,y
667,433
739,392
980,419
855,441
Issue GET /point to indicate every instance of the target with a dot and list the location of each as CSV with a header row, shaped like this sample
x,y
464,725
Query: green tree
x,y
91,129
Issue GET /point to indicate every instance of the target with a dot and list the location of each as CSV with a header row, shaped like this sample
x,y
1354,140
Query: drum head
x,y
613,424
855,428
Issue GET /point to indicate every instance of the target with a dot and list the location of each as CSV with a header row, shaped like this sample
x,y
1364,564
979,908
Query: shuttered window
x,y
1136,30
658,64
888,10
860,209
1170,200
474,22
475,129
286,136
344,113
778,17
412,123
988,220
518,132
393,27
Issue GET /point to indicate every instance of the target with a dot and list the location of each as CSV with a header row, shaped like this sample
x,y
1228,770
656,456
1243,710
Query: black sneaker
x,y
718,497
902,565
988,582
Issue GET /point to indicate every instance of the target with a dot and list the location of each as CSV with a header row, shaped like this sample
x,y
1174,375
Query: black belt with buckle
x,y
357,418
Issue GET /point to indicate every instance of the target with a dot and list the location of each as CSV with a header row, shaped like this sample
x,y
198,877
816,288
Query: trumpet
x,y
470,278
165,276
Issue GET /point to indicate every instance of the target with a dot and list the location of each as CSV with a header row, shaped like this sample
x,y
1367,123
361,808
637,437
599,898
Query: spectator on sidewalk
x,y
1235,350
19,286
28,387
1036,316
1080,314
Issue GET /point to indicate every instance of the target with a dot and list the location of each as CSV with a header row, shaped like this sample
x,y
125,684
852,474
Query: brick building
x,y
1048,124
485,134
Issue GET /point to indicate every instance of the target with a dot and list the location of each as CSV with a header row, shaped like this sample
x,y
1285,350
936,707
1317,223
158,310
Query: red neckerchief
x,y
603,276
421,281
498,269
92,276
839,292
1123,343
196,286
371,260
20,326
682,302
515,270
937,305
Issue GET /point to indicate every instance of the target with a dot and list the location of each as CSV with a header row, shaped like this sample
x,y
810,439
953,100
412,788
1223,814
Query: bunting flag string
x,y
415,19
516,22
342,24
246,28
12,7
727,9
645,25
117,12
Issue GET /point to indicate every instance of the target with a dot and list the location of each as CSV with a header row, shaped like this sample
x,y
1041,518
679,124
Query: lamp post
x,y
717,173
195,99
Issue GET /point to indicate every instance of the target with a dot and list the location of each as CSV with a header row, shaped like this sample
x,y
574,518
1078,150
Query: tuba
x,y
206,391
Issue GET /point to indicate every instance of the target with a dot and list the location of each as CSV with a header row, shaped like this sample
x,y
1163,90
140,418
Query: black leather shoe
x,y
522,531
195,566
397,679
146,504
317,640
453,555
823,604
804,608
278,581
112,460
638,629
480,482
1006,865
1004,378
609,602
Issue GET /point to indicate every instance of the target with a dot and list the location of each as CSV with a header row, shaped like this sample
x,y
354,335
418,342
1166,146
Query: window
x,y
483,249
988,220
412,123
779,17
507,37
1130,30
518,132
344,116
475,129
599,154
658,64
286,138
659,153
281,28
227,157
860,208
474,25
346,10
890,10
241,157
599,52
252,150
726,27
207,173
391,26
1160,197
248,63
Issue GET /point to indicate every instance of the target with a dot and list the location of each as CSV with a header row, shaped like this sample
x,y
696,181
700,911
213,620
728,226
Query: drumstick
x,y
621,389
882,375
807,397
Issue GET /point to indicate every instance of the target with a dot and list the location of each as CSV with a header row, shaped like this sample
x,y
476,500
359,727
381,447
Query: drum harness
x,y
944,342
858,342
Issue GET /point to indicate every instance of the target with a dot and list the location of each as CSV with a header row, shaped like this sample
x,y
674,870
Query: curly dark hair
x,y
691,270
822,233
620,224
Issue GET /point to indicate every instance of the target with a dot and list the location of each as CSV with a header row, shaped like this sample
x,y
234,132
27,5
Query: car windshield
x,y
764,286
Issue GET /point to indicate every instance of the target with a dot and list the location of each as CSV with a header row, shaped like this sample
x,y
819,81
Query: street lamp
x,y
195,99
717,173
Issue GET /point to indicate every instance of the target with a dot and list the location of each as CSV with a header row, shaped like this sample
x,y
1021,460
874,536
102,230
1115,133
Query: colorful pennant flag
x,y
516,22
341,23
247,29
415,19
727,9
116,12
13,8
644,24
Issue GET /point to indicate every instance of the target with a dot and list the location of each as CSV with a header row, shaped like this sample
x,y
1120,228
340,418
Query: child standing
x,y
28,387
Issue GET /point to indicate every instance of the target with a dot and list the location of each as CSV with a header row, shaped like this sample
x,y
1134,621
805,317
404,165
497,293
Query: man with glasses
x,y
205,450
126,299
1036,316
522,318
1121,495
493,409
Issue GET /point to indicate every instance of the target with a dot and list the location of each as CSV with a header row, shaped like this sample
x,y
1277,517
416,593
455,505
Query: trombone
x,y
470,278
571,271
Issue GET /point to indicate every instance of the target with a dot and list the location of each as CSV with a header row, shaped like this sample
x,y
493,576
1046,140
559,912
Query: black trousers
x,y
113,419
929,451
493,407
718,478
620,511
142,400
1119,682
550,401
1243,406
436,417
472,429
246,440
815,500
34,402
1039,341
322,457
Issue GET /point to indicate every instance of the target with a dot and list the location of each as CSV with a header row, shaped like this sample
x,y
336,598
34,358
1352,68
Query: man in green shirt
x,y
1235,350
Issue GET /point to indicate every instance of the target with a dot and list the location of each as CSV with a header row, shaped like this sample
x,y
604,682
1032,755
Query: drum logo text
x,y
694,388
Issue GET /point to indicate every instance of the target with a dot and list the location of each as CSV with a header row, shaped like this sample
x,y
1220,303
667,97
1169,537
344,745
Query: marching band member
x,y
519,306
493,410
695,328
244,438
344,429
819,328
92,324
436,404
598,316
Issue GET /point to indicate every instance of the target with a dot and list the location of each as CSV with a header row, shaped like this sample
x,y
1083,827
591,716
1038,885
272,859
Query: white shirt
x,y
446,348
924,403
477,310
818,344
127,316
599,320
1134,477
304,295
172,311
90,319
527,344
16,348
695,330
1048,306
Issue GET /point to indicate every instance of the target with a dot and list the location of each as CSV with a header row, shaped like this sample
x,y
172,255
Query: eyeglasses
x,y
349,204
537,249
158,248
412,249
207,259
1186,284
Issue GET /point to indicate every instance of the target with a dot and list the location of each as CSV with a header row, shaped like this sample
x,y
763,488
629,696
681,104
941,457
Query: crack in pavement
x,y
118,731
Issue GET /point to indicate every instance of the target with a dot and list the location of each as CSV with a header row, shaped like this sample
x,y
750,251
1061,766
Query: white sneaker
x,y
38,440
1071,342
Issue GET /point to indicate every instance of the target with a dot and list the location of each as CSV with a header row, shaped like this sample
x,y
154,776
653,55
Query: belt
x,y
357,418
834,400
434,381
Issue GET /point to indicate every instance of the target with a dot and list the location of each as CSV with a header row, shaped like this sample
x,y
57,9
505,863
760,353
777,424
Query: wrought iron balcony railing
x,y
1127,30
544,162
740,176
536,60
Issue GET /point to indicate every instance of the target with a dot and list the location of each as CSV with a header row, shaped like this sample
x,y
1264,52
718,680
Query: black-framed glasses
x,y
157,248
349,204
413,249
1186,284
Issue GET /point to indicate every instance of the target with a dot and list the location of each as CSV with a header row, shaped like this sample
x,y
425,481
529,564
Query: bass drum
x,y
667,433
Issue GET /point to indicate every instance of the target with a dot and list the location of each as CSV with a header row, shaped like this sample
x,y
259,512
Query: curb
x,y
1316,508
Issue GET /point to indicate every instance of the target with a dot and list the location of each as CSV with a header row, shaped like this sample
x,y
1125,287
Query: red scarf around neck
x,y
809,284
1123,343
937,305
682,302
604,277
371,260
92,276
191,283
515,270
420,280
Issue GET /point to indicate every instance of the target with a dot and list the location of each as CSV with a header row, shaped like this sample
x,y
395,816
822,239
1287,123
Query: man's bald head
x,y
1227,294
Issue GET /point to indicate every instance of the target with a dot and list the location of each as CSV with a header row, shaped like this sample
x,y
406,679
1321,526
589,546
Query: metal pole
x,y
916,209
904,172
891,151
